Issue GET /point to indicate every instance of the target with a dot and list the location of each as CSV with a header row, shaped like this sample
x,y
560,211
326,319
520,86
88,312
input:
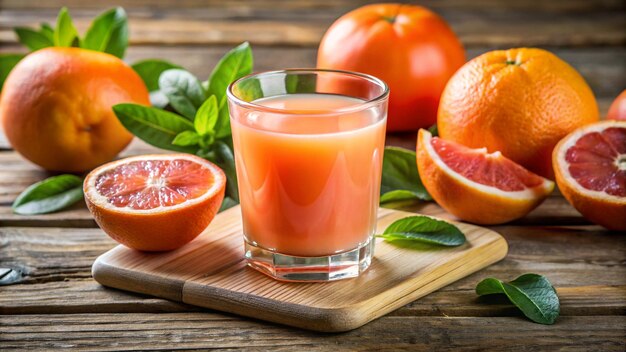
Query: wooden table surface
x,y
53,303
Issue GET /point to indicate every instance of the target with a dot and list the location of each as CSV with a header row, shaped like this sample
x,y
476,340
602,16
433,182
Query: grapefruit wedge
x,y
476,186
590,169
155,202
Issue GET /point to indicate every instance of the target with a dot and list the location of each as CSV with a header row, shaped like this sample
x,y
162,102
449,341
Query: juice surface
x,y
309,185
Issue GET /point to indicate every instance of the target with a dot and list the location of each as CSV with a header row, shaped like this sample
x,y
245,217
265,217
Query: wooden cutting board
x,y
210,272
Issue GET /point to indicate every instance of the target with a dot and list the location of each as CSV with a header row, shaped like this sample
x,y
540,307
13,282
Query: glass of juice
x,y
308,150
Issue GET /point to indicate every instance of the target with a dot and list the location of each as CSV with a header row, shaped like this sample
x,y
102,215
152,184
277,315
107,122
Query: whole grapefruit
x,y
56,107
409,47
520,102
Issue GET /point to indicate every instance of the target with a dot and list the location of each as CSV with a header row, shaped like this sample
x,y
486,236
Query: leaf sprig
x,y
189,115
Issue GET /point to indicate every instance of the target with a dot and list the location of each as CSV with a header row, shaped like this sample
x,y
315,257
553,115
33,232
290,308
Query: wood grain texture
x,y
210,272
302,23
204,331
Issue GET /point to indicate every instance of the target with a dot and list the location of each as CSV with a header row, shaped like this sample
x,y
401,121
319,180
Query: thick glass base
x,y
327,268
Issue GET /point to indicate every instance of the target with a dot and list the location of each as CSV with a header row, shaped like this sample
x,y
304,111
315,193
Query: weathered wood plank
x,y
87,296
53,256
258,8
188,331
303,23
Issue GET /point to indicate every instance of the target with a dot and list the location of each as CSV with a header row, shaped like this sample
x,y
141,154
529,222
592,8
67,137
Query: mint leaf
x,y
400,174
156,127
108,33
49,195
183,90
7,62
235,64
206,117
186,138
32,39
150,70
531,293
65,32
424,229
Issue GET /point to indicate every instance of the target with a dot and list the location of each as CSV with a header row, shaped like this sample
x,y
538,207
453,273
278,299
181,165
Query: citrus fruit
x,y
155,202
409,47
56,107
617,111
477,186
590,170
520,102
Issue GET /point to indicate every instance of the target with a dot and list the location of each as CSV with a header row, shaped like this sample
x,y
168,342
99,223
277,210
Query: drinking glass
x,y
308,149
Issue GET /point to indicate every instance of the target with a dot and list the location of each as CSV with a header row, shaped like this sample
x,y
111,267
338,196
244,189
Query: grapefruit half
x,y
155,202
590,169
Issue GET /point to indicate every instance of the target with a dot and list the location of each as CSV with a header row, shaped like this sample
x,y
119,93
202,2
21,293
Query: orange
x,y
590,169
155,202
520,102
409,47
476,186
617,111
56,107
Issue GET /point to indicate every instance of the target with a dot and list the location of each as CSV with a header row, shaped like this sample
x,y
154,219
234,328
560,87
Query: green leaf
x,y
156,127
48,31
32,39
49,195
400,174
434,131
158,99
235,64
227,203
424,229
301,83
150,70
187,138
397,196
65,32
531,293
183,90
226,161
248,90
7,62
108,33
206,117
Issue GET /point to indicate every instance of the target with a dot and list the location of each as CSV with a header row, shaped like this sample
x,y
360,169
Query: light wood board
x,y
210,272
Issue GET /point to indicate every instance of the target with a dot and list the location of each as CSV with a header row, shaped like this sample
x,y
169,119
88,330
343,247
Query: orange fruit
x,y
590,169
56,107
155,202
617,111
477,186
520,102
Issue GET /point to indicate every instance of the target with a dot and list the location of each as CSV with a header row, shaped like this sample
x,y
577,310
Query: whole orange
x,y
409,47
520,102
56,107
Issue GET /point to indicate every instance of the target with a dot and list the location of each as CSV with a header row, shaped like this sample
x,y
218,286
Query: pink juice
x,y
309,177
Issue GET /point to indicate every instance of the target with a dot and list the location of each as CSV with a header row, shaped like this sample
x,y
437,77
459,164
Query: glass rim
x,y
352,108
